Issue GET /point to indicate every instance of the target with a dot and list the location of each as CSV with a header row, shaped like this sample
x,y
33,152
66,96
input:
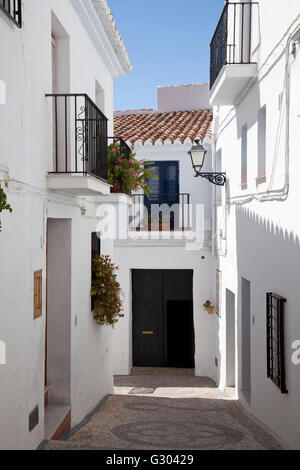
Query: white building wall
x,y
183,97
169,254
260,227
165,257
25,157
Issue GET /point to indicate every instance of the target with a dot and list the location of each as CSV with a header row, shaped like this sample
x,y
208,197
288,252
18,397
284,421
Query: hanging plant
x,y
106,291
126,174
4,206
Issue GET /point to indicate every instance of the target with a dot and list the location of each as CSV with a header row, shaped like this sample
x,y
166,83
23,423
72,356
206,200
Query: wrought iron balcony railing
x,y
160,212
13,9
79,136
232,41
125,149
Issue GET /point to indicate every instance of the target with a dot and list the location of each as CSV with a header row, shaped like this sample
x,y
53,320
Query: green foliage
x,y
4,206
105,292
127,175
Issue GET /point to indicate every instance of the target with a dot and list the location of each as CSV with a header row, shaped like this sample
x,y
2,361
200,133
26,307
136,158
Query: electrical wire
x,y
270,194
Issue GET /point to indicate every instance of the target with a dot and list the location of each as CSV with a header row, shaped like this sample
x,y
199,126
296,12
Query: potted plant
x,y
153,223
208,307
106,291
162,224
126,174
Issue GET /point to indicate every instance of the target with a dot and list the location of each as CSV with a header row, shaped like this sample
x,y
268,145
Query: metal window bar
x,y
80,136
162,221
232,40
13,9
275,341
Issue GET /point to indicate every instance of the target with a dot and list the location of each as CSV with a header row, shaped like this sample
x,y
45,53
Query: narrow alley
x,y
168,413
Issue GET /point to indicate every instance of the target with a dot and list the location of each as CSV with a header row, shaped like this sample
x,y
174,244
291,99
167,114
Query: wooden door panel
x,y
148,334
148,348
178,285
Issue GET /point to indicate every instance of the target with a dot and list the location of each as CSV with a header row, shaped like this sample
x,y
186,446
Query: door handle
x,y
148,333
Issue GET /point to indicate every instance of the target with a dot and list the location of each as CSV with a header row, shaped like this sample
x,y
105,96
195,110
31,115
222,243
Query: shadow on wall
x,y
268,261
267,249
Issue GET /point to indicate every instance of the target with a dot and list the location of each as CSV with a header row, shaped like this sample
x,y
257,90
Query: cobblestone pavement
x,y
168,413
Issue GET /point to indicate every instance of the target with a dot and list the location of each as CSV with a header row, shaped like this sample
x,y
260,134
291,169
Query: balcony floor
x,y
230,83
77,185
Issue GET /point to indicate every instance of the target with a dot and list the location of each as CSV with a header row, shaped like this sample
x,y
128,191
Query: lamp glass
x,y
198,156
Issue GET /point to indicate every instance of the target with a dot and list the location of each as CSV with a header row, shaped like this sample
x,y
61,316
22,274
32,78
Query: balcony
x,y
160,213
13,9
233,62
79,143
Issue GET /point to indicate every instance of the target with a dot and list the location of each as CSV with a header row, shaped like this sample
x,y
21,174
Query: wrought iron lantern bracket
x,y
219,179
197,154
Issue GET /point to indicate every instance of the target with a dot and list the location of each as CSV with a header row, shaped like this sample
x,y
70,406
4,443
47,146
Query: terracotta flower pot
x,y
210,310
159,227
116,187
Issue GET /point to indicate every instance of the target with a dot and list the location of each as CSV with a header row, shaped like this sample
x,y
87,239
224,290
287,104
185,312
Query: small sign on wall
x,y
38,294
218,292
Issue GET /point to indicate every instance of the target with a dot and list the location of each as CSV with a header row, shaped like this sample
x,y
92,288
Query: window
x,y
13,9
96,243
244,157
262,145
100,97
164,191
275,340
54,67
2,92
218,292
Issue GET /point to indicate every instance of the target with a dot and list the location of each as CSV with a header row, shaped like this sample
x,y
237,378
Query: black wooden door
x,y
163,330
147,318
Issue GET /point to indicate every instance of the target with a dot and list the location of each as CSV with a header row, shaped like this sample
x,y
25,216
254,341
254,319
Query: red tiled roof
x,y
159,127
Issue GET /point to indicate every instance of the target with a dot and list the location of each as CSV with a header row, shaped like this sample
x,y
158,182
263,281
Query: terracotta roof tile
x,y
159,127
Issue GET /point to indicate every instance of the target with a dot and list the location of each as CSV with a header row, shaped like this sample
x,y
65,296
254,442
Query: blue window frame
x,y
164,190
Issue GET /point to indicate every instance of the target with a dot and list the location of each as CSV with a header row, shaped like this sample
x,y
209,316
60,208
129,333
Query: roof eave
x,y
113,34
98,21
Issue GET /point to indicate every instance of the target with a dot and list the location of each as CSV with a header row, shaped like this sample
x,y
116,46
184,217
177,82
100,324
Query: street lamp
x,y
197,154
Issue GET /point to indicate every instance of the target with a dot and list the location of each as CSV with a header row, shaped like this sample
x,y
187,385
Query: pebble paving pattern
x,y
141,416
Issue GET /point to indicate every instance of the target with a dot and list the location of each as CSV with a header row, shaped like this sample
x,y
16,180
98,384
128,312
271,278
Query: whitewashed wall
x,y
26,141
260,226
170,254
165,257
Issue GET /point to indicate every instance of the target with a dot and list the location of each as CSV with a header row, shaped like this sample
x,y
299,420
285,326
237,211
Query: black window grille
x,y
13,9
275,340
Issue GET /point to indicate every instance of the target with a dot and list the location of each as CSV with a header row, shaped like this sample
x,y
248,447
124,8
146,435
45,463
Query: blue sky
x,y
168,44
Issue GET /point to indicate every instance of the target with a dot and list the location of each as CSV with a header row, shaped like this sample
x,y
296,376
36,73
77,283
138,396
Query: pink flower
x,y
130,161
114,150
120,160
117,166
